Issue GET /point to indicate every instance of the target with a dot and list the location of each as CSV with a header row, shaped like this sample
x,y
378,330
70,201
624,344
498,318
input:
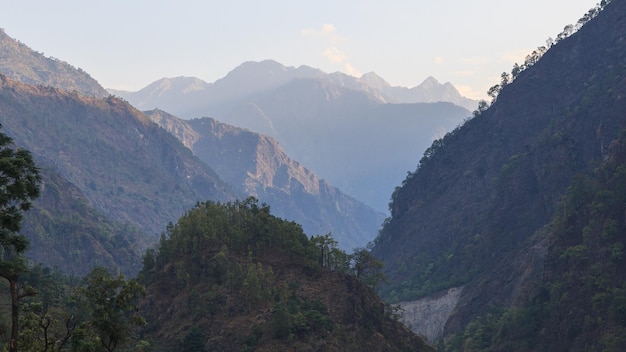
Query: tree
x,y
367,268
112,304
19,185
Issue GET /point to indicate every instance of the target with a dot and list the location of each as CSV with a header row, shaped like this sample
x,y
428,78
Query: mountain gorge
x,y
479,214
257,166
347,130
509,234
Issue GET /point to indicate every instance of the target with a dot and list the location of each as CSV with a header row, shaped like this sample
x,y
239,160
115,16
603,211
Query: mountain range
x,y
347,130
510,222
190,97
136,178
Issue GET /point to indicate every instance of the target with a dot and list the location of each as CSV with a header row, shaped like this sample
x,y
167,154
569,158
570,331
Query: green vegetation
x,y
228,263
111,304
225,265
19,185
581,303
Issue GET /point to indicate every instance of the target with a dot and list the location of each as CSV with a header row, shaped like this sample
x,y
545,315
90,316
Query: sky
x,y
132,43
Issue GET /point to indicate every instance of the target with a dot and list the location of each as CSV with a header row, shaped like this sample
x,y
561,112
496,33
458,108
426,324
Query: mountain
x,y
21,63
257,166
341,127
349,137
429,91
126,167
189,97
474,228
250,281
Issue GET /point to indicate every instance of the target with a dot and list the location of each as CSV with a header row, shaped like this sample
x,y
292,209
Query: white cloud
x,y
335,55
351,70
328,35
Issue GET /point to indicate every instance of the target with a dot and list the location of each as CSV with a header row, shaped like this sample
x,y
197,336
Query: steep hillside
x,y
258,167
474,215
583,278
125,165
67,233
23,64
232,277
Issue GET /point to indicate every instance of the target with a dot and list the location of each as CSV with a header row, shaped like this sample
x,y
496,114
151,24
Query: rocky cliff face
x,y
428,316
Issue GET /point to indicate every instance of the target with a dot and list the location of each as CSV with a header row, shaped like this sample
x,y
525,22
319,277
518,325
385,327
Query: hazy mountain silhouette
x,y
257,165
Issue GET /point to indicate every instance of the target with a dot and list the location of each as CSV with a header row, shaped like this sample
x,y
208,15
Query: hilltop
x,y
251,281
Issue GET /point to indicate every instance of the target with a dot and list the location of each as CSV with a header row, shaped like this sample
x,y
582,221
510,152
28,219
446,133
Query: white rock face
x,y
428,316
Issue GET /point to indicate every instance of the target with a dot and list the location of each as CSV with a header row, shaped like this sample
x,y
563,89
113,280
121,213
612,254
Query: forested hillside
x,y
476,214
110,172
235,277
580,302
67,233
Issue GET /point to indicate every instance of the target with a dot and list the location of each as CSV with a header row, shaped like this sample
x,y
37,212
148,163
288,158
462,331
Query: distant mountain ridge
x,y
325,121
184,95
188,97
256,165
23,64
347,136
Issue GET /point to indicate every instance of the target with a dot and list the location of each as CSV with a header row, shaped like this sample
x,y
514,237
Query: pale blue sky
x,y
129,44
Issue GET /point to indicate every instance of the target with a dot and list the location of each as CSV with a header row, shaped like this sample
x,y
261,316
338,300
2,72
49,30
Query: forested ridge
x,y
521,208
248,280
